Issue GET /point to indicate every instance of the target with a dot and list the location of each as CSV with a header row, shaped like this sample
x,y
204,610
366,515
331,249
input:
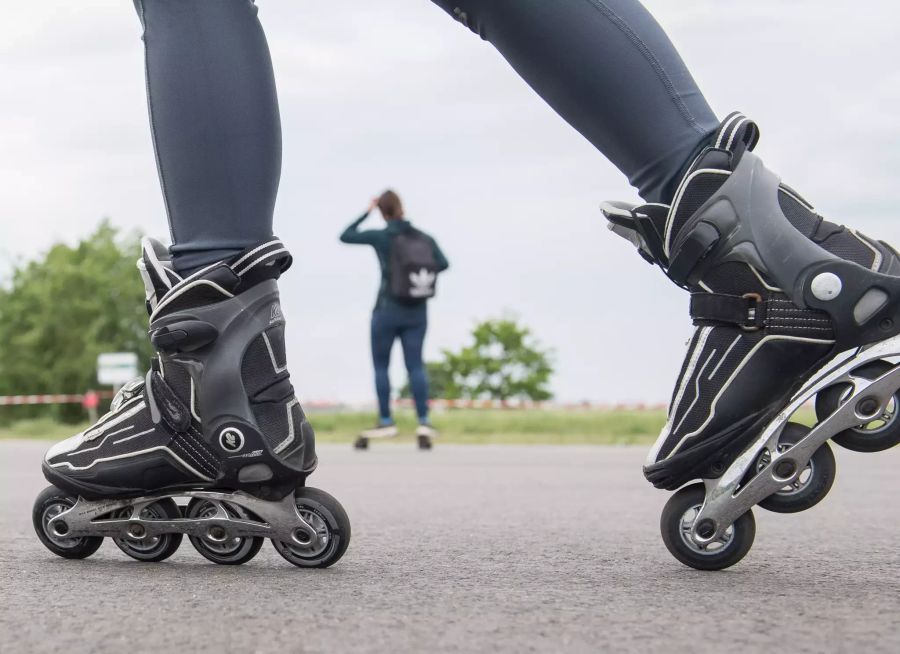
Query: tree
x,y
59,312
503,362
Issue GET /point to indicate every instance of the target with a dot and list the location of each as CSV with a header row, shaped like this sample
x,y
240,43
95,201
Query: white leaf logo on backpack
x,y
422,283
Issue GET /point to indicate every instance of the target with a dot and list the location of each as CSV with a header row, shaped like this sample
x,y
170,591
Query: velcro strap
x,y
777,315
746,311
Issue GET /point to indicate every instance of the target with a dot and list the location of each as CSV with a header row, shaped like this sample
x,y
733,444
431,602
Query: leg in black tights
x,y
604,65
215,124
610,71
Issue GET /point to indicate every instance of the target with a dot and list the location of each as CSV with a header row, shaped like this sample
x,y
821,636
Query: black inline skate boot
x,y
787,306
214,422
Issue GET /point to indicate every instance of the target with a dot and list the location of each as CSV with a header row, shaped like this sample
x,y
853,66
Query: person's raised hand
x,y
372,204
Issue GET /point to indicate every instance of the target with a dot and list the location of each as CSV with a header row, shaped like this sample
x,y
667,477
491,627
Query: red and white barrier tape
x,y
74,398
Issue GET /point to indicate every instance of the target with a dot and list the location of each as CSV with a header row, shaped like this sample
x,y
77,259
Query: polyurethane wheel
x,y
233,551
676,523
815,479
882,433
424,442
326,515
362,443
151,549
50,503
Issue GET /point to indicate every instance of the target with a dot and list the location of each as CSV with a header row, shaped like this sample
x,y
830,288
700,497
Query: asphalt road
x,y
475,549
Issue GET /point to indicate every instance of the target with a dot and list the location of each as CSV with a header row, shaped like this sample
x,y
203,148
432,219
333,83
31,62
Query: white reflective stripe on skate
x,y
728,382
128,438
258,248
677,201
64,447
763,281
106,418
876,263
112,433
724,356
194,402
692,364
290,437
696,390
268,255
179,291
803,202
122,416
272,355
100,444
673,409
131,455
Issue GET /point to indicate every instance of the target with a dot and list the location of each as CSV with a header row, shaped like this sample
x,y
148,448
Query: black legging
x,y
604,65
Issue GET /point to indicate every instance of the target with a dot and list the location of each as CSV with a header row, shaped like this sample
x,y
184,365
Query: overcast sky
x,y
506,186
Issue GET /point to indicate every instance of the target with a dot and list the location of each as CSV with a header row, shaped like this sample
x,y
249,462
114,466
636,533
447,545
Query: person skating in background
x,y
410,261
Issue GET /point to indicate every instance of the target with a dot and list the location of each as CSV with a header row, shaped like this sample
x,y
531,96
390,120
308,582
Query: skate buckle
x,y
754,315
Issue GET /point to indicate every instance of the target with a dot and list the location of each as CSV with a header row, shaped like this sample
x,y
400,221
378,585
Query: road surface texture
x,y
477,549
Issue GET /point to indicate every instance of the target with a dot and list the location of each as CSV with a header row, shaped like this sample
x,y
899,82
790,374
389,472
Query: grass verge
x,y
464,426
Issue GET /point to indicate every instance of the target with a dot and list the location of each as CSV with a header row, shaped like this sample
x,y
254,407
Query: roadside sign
x,y
117,368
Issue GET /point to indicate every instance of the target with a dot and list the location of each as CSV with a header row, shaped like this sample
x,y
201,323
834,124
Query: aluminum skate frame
x,y
279,520
727,500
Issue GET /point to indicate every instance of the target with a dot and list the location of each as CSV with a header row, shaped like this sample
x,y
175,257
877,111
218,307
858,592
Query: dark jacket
x,y
380,240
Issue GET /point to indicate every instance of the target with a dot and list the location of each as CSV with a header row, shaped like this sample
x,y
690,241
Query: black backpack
x,y
413,269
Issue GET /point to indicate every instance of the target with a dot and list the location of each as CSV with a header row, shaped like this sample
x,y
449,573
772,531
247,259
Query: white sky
x,y
479,159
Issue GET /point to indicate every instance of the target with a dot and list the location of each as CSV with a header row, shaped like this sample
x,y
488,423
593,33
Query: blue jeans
x,y
409,325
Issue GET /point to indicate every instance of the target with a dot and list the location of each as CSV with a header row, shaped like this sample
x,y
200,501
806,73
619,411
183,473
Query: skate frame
x,y
279,520
727,500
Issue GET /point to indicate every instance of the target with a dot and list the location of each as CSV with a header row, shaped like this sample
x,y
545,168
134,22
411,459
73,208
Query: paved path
x,y
477,549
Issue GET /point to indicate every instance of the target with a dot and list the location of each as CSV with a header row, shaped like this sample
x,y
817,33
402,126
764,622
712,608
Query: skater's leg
x,y
611,72
384,331
412,338
215,125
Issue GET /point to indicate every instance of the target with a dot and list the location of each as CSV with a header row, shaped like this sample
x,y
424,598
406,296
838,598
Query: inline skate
x,y
211,444
788,308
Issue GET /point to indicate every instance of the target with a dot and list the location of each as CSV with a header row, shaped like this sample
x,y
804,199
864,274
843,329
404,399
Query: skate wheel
x,y
878,435
233,551
815,479
676,523
362,443
424,443
50,503
151,549
328,518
